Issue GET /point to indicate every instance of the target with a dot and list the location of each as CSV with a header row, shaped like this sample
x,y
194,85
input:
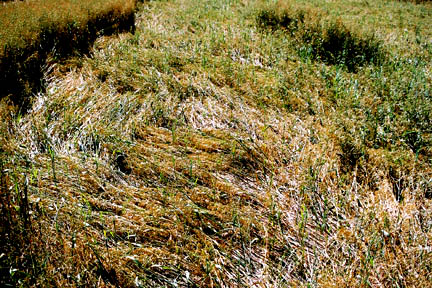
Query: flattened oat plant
x,y
206,151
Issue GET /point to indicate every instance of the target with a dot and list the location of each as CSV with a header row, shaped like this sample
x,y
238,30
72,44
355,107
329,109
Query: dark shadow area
x,y
22,69
333,43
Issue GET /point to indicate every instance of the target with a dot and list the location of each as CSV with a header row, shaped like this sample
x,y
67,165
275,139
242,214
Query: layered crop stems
x,y
228,144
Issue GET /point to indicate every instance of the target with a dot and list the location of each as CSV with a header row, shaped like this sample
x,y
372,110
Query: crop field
x,y
36,32
221,143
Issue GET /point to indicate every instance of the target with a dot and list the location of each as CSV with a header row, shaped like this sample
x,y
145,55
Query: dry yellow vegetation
x,y
34,31
228,143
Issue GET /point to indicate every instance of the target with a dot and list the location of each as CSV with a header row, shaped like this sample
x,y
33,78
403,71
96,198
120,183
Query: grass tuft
x,y
320,38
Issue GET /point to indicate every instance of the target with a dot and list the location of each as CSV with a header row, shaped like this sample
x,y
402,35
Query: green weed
x,y
330,42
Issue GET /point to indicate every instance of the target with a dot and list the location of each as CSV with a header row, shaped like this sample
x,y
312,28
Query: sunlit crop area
x,y
227,143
